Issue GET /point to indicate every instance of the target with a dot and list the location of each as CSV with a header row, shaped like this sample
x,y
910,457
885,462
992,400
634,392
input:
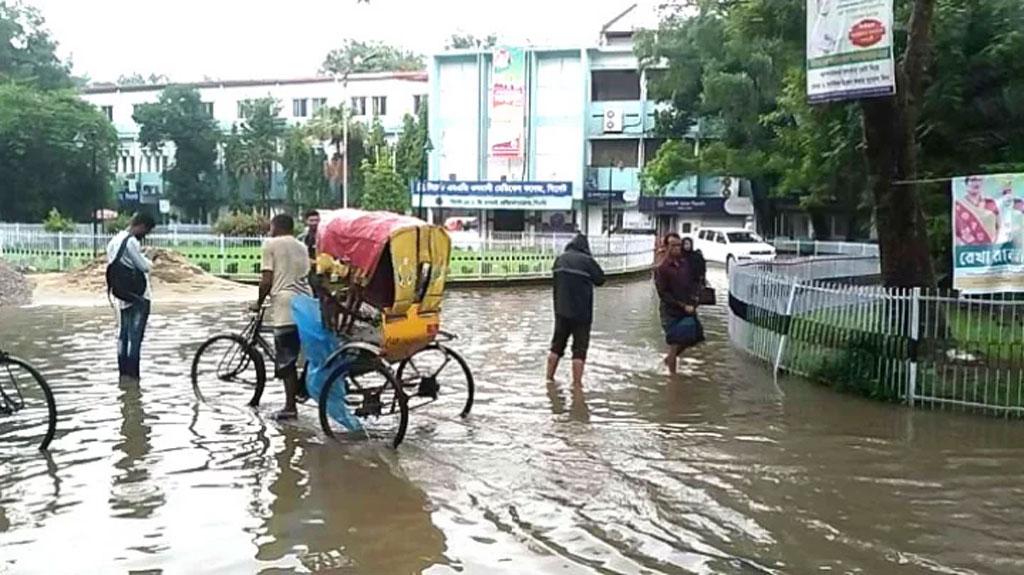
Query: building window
x,y
108,111
418,102
208,108
614,85
318,104
614,153
359,106
132,159
380,105
300,108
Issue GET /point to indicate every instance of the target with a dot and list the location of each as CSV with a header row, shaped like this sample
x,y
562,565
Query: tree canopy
x,y
459,41
358,56
738,68
27,52
179,117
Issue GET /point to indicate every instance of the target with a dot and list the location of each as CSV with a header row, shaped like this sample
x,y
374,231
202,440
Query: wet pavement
x,y
721,471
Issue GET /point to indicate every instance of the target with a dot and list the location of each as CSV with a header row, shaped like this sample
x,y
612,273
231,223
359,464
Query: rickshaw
x,y
372,339
380,280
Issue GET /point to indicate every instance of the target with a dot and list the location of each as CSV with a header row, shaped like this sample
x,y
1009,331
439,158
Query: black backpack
x,y
125,282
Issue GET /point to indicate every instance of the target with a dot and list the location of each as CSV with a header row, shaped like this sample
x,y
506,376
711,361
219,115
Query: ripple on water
x,y
723,470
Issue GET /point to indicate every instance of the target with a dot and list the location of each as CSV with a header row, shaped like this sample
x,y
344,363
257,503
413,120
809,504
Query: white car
x,y
731,245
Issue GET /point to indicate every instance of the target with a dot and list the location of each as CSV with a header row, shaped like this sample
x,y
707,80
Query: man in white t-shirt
x,y
285,272
132,315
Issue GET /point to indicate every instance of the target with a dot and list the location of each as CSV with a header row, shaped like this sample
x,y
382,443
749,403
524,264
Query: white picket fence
x,y
923,347
507,258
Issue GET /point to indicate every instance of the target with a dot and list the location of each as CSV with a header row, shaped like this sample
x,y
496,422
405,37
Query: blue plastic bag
x,y
685,331
318,343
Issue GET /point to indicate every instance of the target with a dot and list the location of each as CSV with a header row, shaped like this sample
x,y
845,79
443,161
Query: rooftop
x,y
417,76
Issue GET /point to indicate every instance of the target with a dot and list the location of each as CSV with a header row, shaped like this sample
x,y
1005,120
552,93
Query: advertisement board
x,y
494,195
508,103
988,233
849,49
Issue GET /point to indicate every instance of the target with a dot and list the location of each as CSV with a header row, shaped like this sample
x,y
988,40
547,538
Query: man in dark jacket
x,y
576,273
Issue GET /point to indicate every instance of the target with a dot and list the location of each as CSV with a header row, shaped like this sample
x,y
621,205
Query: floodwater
x,y
721,471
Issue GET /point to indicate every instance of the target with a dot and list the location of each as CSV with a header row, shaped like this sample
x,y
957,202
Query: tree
x,y
413,147
137,79
329,126
47,145
178,116
27,52
459,41
257,150
739,67
385,190
303,164
357,56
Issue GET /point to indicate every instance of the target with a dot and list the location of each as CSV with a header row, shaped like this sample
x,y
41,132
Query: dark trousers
x,y
129,342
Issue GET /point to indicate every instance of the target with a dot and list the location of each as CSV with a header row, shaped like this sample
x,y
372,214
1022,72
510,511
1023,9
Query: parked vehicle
x,y
731,245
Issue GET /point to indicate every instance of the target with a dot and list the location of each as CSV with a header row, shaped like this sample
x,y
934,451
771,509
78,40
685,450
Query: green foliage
x,y
117,224
256,147
47,145
328,126
304,164
413,147
137,79
385,190
55,222
739,68
357,56
242,224
178,117
466,41
27,52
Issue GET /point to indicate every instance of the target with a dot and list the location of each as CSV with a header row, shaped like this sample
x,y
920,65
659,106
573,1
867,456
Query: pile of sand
x,y
169,267
173,279
15,288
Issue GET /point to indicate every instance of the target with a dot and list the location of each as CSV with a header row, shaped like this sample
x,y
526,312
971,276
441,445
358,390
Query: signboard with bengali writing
x,y
491,195
988,233
849,49
508,103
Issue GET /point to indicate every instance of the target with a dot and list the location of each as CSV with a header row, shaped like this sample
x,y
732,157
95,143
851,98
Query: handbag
x,y
707,296
686,331
125,282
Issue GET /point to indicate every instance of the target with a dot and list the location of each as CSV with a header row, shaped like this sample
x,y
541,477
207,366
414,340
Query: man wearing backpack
x,y
128,281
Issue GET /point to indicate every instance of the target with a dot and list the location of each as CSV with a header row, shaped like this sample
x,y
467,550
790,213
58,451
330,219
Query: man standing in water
x,y
576,273
133,314
285,272
678,290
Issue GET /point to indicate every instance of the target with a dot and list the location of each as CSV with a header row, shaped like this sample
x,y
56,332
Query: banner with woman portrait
x,y
988,233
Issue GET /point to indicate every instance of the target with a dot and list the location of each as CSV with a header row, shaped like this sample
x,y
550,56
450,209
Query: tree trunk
x,y
891,151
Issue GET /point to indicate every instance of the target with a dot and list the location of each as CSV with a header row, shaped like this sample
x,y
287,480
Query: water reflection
x,y
133,493
323,516
718,471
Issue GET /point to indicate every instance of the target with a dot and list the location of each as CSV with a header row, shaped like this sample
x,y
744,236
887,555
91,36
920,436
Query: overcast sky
x,y
236,39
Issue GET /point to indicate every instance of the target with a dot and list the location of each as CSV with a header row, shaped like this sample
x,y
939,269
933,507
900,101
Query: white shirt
x,y
132,258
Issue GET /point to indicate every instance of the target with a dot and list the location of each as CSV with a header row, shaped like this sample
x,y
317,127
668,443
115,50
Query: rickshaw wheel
x,y
438,373
226,366
370,392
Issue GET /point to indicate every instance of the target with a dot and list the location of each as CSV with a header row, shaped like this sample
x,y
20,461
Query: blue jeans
x,y
129,342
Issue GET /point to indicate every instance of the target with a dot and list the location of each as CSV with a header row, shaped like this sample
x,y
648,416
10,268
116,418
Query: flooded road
x,y
721,471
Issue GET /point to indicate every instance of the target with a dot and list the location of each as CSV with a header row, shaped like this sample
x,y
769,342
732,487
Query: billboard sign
x,y
988,233
508,103
490,195
849,50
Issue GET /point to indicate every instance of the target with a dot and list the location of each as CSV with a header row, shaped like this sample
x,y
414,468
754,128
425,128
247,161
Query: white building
x,y
387,95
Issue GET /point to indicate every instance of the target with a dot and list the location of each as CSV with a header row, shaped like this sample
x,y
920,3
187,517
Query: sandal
x,y
285,415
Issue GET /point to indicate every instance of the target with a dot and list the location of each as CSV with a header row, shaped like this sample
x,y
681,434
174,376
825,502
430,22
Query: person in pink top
x,y
977,217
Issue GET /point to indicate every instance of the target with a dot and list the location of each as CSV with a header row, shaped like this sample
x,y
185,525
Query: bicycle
x,y
240,363
22,390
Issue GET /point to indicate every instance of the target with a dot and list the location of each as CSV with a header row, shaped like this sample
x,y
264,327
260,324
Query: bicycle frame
x,y
9,403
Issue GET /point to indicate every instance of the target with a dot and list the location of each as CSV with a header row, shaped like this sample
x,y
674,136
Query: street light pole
x,y
96,203
344,150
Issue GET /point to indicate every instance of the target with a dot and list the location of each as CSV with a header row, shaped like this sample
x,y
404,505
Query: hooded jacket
x,y
576,274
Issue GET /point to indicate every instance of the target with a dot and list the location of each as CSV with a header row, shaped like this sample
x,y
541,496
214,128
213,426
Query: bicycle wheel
x,y
226,369
371,394
438,374
28,411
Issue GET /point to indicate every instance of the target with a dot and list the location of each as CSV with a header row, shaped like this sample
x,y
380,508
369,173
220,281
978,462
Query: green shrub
x,y
242,225
55,222
117,224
